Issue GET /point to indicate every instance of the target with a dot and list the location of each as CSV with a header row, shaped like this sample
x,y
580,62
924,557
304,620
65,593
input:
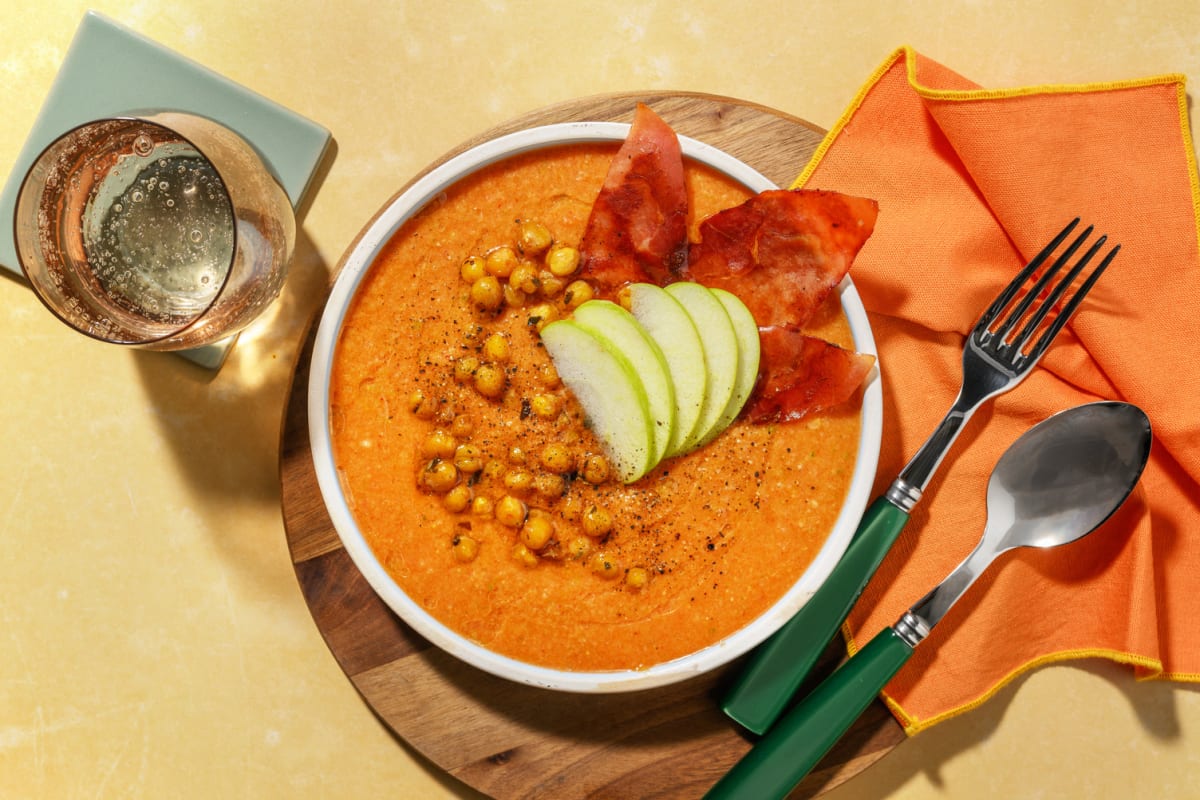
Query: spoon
x,y
1058,482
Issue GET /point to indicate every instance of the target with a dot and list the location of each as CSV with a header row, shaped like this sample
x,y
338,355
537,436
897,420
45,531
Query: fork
x,y
1003,347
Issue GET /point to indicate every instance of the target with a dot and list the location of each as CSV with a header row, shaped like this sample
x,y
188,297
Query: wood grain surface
x,y
513,741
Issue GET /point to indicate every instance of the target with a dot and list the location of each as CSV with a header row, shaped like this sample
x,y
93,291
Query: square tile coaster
x,y
110,70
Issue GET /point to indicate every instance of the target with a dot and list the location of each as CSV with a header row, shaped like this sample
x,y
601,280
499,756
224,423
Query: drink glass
x,y
162,231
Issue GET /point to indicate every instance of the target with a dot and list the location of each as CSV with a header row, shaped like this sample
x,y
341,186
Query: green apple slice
x,y
670,326
745,328
608,321
720,353
611,394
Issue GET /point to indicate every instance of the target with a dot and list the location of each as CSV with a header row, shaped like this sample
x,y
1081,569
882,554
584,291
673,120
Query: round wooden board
x,y
513,741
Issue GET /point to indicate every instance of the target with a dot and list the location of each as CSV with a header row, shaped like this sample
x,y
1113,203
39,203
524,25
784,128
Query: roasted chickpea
x,y
576,294
605,566
636,578
500,261
533,237
458,499
547,375
542,315
468,458
597,522
625,298
486,293
518,480
513,297
579,547
595,469
445,413
525,278
494,469
562,260
524,556
421,405
438,444
510,511
545,406
516,455
439,476
464,547
536,532
550,285
549,485
482,506
490,380
496,348
473,268
464,369
572,508
557,458
462,426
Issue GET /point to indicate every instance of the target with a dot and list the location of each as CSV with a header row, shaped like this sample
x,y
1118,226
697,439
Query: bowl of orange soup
x,y
440,432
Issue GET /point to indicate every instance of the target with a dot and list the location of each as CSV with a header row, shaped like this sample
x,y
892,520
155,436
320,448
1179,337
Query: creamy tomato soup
x,y
452,435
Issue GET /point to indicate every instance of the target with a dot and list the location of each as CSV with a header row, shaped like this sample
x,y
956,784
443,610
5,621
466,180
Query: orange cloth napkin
x,y
971,183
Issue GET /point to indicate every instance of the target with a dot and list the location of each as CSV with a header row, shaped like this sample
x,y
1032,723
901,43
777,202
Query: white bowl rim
x,y
357,264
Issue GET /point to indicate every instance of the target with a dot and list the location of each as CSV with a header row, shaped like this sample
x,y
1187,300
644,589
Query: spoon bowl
x,y
1057,483
1065,477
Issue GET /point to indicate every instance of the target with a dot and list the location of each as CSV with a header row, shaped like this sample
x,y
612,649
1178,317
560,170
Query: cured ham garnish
x,y
637,231
782,251
800,374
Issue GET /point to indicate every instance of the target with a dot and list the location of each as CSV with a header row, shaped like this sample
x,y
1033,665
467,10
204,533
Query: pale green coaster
x,y
111,70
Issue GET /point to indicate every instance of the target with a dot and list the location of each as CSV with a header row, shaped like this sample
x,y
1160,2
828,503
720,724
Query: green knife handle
x,y
779,666
782,758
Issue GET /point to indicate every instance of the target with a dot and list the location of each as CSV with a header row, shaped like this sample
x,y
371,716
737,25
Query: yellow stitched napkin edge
x,y
909,54
913,725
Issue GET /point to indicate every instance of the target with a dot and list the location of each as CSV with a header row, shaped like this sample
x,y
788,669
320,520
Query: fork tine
x,y
1036,290
1040,347
1036,318
1010,291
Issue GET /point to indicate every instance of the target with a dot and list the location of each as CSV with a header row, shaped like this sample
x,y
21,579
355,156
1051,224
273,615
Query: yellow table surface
x,y
153,639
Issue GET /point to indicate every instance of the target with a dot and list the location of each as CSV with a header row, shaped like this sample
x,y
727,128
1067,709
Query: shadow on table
x,y
223,426
1153,702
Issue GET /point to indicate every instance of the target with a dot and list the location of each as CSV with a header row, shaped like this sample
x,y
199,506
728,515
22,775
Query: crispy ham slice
x,y
782,251
637,231
800,374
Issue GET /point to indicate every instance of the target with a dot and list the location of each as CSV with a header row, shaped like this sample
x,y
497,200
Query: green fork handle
x,y
781,759
777,668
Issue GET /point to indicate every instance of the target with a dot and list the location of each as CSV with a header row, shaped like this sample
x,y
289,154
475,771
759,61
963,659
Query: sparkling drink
x,y
159,233
163,232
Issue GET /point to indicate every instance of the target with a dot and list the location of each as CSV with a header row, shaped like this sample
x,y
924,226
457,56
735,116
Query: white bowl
x,y
356,265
